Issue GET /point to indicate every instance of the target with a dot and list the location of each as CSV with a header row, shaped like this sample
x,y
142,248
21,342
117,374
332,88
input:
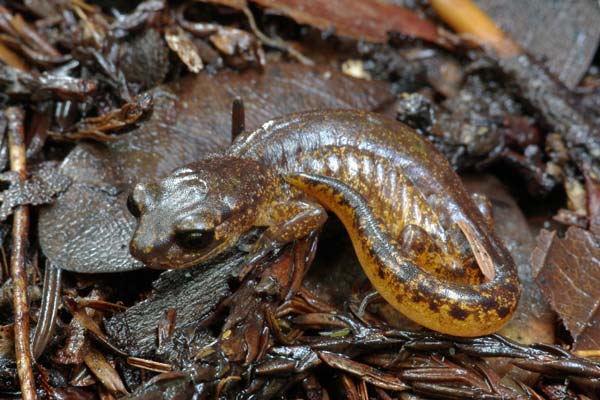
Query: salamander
x,y
418,235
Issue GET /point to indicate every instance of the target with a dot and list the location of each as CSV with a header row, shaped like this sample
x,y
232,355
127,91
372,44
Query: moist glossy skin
x,y
398,198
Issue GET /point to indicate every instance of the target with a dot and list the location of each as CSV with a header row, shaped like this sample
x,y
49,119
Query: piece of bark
x,y
193,292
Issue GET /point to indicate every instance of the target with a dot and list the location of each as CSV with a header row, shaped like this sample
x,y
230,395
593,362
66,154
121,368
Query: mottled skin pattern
x,y
396,195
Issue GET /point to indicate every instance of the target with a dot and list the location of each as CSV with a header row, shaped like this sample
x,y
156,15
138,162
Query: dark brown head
x,y
197,212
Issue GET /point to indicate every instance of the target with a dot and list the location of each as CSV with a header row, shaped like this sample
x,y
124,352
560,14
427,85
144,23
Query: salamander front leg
x,y
285,223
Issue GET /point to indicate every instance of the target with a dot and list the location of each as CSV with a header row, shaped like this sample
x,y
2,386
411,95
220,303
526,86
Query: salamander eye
x,y
194,239
132,206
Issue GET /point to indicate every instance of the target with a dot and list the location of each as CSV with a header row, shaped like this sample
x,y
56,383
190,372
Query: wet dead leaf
x,y
239,47
179,41
105,372
124,117
484,261
370,20
569,269
100,305
40,87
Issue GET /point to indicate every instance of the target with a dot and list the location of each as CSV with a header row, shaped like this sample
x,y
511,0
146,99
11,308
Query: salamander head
x,y
197,212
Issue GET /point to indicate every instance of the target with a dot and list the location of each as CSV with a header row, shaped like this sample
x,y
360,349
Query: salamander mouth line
x,y
209,252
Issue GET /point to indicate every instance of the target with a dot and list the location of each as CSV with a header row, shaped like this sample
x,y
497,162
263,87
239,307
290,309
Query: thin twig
x,y
275,42
16,148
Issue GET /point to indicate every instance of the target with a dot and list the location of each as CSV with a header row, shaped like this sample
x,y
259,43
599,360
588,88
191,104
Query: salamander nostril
x,y
194,238
135,250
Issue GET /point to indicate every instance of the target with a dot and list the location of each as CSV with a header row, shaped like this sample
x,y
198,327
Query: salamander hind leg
x,y
423,250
